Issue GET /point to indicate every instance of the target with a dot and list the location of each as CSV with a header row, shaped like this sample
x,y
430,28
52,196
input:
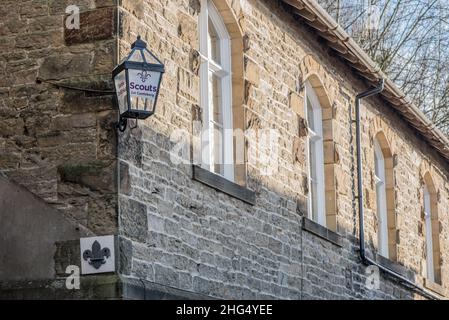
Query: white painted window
x,y
315,152
381,200
215,90
429,235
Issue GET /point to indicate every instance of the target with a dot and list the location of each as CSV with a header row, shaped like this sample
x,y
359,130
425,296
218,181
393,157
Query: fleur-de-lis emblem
x,y
97,256
144,75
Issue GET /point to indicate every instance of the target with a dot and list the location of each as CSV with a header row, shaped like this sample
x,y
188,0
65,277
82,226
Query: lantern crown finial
x,y
139,43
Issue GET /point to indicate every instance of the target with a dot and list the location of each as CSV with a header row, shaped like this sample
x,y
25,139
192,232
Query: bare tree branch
x,y
409,39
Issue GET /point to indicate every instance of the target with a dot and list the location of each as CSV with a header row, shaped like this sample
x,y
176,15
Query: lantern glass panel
x,y
143,88
150,58
122,93
136,56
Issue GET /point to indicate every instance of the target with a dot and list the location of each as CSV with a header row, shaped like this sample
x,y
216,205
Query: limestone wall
x,y
178,232
174,231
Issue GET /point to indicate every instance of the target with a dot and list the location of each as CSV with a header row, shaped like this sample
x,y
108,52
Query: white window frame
x,y
429,235
315,146
381,200
223,72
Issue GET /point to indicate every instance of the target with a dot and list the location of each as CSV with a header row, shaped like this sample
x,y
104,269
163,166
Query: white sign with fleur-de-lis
x,y
97,254
143,84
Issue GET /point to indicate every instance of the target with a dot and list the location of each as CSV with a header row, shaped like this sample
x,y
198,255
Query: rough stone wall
x,y
180,233
59,143
412,160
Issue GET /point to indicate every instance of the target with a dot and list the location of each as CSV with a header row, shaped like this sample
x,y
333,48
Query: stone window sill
x,y
321,231
221,184
396,267
433,286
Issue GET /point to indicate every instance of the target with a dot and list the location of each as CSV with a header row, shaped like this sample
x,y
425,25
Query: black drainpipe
x,y
366,260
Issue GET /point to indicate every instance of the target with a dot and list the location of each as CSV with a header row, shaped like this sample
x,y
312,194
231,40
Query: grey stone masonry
x,y
181,233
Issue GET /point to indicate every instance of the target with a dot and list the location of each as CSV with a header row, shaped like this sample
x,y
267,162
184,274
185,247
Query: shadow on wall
x,y
29,231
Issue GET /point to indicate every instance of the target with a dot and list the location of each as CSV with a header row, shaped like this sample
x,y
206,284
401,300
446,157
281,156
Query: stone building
x,y
269,211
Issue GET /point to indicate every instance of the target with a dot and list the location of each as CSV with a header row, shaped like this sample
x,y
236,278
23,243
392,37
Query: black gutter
x,y
366,260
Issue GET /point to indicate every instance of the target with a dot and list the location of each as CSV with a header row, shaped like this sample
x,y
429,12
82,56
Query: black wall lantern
x,y
137,80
